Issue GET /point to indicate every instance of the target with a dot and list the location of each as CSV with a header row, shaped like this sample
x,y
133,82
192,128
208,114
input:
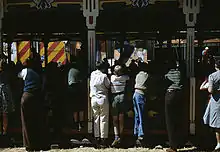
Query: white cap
x,y
206,48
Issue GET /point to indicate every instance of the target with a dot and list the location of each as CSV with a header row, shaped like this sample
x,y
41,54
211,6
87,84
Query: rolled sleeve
x,y
22,74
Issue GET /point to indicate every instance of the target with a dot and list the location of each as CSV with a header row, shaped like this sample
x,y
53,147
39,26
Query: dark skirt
x,y
33,122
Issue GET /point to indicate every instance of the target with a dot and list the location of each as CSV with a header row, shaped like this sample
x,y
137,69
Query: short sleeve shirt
x,y
214,80
118,83
73,76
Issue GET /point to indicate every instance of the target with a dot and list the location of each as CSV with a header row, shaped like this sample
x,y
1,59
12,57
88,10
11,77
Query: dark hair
x,y
105,59
99,65
217,64
118,70
142,66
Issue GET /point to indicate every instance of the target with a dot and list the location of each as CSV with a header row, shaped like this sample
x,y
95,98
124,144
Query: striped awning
x,y
56,52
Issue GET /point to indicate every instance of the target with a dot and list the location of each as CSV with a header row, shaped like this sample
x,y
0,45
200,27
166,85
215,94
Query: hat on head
x,y
206,48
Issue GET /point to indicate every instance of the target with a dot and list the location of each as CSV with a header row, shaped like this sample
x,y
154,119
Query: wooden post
x,y
191,8
91,12
46,52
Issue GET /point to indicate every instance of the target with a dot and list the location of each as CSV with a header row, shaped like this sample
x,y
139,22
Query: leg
x,y
104,119
76,121
217,134
170,119
75,116
116,131
115,125
81,119
140,102
114,112
81,116
140,108
5,123
121,123
136,117
121,111
96,115
31,124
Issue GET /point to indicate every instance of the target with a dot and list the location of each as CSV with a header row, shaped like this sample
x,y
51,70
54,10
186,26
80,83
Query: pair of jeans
x,y
139,101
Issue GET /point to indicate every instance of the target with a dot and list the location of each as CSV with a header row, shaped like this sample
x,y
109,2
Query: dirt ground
x,y
96,150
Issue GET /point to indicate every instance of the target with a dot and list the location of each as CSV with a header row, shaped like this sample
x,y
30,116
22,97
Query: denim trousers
x,y
139,101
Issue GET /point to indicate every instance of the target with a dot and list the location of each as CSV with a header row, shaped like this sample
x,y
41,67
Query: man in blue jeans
x,y
139,101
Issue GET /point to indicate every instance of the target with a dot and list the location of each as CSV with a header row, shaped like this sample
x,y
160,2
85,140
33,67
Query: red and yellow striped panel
x,y
55,53
24,50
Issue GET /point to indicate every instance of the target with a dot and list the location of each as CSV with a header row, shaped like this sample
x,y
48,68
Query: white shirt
x,y
99,84
23,74
118,83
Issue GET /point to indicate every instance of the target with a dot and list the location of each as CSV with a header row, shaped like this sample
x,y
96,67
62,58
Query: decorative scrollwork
x,y
140,3
43,4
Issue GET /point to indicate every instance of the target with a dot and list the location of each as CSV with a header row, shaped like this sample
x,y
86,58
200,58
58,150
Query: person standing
x,y
99,88
74,87
32,118
6,99
139,101
212,113
118,84
52,88
173,102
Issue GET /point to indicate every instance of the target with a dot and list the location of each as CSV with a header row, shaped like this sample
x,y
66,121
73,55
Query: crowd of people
x,y
37,91
111,91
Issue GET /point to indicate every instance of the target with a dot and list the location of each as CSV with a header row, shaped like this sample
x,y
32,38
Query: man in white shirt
x,y
99,87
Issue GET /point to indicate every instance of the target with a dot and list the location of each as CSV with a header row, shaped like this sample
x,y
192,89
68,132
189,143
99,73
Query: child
x,y
118,85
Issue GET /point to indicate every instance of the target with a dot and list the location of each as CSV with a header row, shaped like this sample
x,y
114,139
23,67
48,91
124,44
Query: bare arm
x,y
210,88
204,85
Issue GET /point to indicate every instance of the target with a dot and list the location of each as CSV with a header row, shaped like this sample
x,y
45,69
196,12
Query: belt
x,y
117,93
172,90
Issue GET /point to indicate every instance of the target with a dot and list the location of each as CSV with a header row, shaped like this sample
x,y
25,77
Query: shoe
x,y
97,143
216,150
116,142
32,149
158,147
139,143
171,150
103,143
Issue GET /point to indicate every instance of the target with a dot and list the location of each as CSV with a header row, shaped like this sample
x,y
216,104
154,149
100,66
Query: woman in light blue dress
x,y
212,113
